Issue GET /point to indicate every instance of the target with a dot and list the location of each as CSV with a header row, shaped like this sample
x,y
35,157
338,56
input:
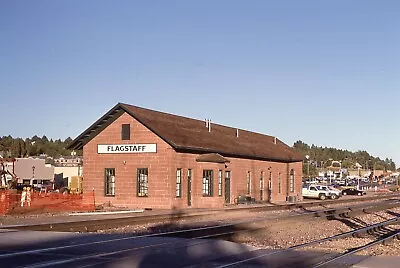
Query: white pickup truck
x,y
312,191
334,193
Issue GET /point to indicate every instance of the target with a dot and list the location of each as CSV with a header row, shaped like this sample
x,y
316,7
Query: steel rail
x,y
350,252
216,231
239,226
391,221
96,224
321,203
221,230
108,254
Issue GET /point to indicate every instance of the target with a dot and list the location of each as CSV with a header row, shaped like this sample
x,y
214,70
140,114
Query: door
x,y
261,187
189,187
270,187
227,187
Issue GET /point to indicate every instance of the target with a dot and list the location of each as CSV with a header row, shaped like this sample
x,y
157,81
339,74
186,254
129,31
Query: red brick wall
x,y
238,168
125,173
162,168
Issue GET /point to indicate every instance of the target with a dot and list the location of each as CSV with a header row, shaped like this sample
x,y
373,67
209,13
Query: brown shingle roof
x,y
213,158
191,135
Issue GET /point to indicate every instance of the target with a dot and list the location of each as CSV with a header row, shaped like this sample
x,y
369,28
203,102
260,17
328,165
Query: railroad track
x,y
277,259
109,223
307,204
70,254
381,240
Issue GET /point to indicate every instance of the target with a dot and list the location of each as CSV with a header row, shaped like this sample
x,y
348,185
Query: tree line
x,y
319,157
34,146
322,157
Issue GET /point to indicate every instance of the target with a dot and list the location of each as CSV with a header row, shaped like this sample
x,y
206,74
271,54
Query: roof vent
x,y
209,125
274,140
237,133
206,122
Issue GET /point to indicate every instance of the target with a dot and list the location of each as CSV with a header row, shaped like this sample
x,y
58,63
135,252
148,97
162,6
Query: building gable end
x,y
106,120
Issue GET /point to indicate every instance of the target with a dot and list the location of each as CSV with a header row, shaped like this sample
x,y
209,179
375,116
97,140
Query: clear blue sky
x,y
324,72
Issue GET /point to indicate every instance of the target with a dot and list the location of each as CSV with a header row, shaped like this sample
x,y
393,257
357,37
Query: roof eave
x,y
173,145
87,135
189,149
105,121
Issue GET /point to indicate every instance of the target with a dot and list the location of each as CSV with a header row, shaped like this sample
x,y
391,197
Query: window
x,y
248,182
261,185
207,182
270,181
142,182
220,183
126,132
279,182
178,182
109,181
291,181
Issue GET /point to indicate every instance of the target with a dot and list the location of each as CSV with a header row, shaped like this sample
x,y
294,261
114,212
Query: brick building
x,y
143,158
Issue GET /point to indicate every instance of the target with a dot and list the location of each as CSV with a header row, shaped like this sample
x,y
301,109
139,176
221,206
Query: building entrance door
x,y
189,187
269,190
227,187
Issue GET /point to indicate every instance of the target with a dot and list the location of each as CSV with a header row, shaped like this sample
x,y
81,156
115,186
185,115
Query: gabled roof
x,y
192,136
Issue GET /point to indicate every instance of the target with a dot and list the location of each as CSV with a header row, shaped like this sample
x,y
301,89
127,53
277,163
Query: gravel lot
x,y
284,235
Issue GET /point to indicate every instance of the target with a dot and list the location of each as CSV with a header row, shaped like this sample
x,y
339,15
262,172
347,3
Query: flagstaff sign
x,y
126,148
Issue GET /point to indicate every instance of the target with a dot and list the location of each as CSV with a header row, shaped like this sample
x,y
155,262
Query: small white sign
x,y
126,148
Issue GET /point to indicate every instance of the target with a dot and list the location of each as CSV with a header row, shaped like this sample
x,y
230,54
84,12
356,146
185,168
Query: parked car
x,y
311,181
353,191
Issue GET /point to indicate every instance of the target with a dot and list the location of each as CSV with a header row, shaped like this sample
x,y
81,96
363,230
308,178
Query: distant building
x,y
66,168
33,168
68,161
358,172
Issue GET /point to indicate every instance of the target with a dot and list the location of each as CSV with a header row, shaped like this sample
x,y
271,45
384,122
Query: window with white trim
x,y
270,181
109,181
220,183
248,182
179,182
142,182
207,182
291,180
279,183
